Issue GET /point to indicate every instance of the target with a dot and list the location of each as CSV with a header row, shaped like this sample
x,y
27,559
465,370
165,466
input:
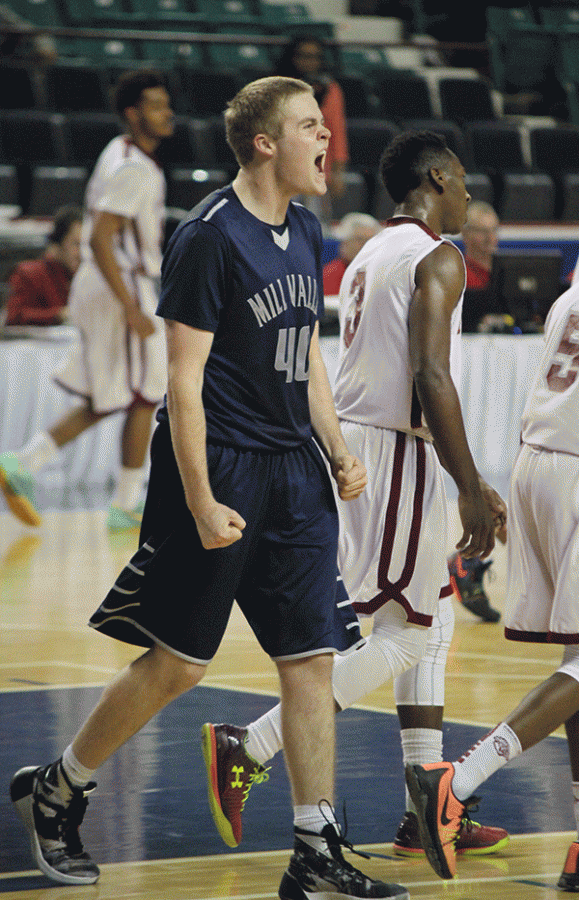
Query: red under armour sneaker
x,y
472,839
439,813
569,880
231,773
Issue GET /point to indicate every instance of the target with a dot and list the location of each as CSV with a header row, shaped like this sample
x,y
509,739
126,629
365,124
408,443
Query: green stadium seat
x,y
99,52
204,92
30,136
290,19
67,183
38,12
400,91
568,61
215,12
560,19
86,13
522,53
249,60
357,60
73,87
86,134
172,53
187,187
167,13
18,87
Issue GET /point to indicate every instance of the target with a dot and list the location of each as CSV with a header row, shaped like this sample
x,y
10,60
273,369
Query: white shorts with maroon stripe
x,y
543,548
111,365
393,537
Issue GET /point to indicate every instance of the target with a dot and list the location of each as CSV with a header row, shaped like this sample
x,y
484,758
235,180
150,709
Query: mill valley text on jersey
x,y
252,285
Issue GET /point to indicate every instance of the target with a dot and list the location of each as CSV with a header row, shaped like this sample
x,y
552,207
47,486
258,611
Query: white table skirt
x,y
497,372
30,401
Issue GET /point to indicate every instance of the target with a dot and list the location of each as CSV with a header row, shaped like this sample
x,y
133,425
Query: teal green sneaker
x,y
125,519
17,484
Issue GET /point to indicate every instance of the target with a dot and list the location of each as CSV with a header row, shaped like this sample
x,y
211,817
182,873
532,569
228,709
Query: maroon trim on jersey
x,y
541,637
410,220
129,142
393,590
446,592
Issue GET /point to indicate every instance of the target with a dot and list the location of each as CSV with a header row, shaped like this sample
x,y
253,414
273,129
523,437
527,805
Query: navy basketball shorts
x,y
282,572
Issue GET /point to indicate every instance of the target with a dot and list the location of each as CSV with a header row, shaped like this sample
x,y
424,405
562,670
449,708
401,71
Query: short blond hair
x,y
256,109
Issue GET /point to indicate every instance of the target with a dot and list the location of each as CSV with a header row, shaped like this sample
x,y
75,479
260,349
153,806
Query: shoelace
x,y
466,821
258,776
342,836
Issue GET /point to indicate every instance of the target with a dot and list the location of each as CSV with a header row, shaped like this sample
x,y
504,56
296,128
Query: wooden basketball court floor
x,y
148,823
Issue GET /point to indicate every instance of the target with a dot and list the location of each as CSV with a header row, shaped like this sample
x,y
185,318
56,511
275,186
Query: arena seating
x,y
54,121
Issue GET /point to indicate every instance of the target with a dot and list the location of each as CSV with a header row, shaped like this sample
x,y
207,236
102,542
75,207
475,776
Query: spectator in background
x,y
39,288
480,236
305,58
353,232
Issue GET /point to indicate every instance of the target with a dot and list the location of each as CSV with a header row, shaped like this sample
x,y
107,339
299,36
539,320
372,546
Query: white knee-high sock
x,y
393,647
420,745
380,659
38,452
488,755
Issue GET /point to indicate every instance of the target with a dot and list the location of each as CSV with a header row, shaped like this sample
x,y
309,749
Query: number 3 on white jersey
x,y
355,301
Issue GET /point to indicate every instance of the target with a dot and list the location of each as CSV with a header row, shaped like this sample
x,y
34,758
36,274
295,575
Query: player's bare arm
x,y
348,472
106,226
439,284
187,352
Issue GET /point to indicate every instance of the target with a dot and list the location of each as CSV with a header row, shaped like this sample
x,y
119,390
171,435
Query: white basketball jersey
x,y
130,183
551,414
374,384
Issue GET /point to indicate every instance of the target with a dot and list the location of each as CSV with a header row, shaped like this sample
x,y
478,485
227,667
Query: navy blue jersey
x,y
258,288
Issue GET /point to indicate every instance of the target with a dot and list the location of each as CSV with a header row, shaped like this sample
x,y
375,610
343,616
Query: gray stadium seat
x,y
54,186
187,187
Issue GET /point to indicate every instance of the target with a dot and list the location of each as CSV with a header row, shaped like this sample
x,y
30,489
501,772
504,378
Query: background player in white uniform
x,y
400,306
542,594
120,363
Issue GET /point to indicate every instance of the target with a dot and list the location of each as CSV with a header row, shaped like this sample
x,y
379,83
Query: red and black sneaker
x,y
472,839
569,880
231,773
466,578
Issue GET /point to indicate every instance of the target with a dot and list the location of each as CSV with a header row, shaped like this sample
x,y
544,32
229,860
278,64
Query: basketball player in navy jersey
x,y
239,503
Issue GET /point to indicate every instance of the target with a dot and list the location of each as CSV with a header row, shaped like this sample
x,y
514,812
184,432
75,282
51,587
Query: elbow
x,y
429,379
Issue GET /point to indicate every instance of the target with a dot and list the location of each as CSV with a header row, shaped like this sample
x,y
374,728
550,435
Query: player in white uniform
x,y
120,363
400,308
542,593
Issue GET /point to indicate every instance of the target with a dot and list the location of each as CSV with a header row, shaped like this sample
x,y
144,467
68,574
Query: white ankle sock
x,y
77,774
311,818
129,488
38,452
488,755
264,738
420,745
